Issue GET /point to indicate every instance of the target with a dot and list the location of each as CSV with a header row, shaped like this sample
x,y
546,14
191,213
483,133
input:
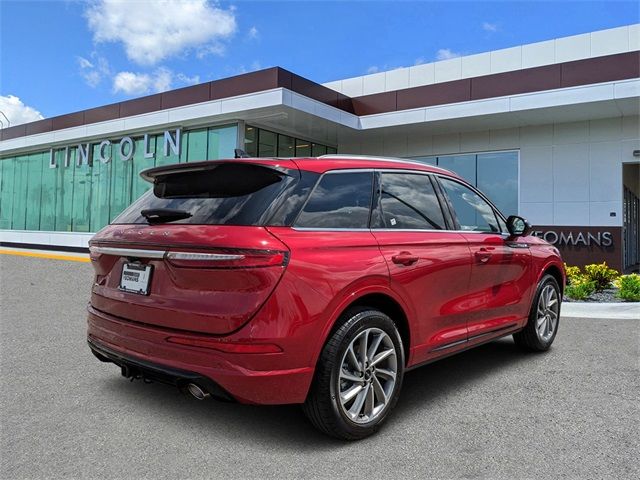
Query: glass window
x,y
101,186
197,145
251,141
409,201
267,143
20,188
498,178
463,165
213,196
331,151
303,148
317,150
222,142
140,163
48,195
34,193
81,208
6,193
471,211
286,146
64,193
121,184
340,200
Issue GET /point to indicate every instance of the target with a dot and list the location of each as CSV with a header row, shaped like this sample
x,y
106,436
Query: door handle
x,y
405,258
483,255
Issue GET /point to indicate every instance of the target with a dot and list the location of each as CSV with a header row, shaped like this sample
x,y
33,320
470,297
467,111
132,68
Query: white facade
x,y
577,47
570,173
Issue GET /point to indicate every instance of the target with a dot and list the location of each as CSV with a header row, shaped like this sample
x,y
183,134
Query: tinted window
x,y
340,200
409,201
472,212
228,194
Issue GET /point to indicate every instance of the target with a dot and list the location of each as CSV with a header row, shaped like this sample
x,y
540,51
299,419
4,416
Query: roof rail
x,y
376,158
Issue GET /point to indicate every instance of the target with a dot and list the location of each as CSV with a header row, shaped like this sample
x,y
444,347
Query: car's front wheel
x,y
358,377
544,317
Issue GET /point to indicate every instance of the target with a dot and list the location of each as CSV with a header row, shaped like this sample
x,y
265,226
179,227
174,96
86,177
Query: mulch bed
x,y
606,296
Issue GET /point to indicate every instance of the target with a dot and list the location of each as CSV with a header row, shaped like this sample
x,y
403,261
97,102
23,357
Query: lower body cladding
x,y
143,352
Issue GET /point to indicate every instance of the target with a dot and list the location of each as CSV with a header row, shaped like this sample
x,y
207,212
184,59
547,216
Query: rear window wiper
x,y
164,215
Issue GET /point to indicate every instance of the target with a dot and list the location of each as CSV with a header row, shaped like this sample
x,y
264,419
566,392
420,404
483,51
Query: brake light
x,y
227,347
228,259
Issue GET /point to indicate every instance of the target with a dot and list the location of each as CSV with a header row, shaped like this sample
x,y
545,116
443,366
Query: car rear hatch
x,y
193,254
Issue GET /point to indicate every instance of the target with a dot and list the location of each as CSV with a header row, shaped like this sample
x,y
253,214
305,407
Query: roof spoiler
x,y
152,174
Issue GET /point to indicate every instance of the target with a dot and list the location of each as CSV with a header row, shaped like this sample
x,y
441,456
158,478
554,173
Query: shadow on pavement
x,y
285,426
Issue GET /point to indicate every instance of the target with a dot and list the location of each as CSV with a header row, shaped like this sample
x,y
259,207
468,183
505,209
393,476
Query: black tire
x,y
322,406
528,338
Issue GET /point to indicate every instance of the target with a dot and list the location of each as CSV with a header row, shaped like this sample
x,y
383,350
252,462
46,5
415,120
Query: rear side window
x,y
340,200
471,211
409,201
227,194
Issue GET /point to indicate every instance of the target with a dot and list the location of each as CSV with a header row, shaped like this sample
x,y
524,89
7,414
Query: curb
x,y
622,311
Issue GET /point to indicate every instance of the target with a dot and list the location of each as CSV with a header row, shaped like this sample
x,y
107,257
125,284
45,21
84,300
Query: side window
x,y
472,212
340,200
409,201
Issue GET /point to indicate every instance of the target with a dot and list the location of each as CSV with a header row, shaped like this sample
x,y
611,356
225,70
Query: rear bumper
x,y
135,368
226,375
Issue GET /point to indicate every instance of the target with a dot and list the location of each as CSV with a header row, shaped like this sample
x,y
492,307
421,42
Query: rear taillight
x,y
227,259
227,347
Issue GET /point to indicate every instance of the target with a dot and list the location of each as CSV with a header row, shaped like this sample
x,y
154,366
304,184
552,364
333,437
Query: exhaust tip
x,y
197,392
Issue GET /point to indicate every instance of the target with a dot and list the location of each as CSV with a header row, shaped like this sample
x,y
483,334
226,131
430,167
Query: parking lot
x,y
493,412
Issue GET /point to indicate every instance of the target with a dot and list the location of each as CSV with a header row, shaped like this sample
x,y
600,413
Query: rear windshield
x,y
227,194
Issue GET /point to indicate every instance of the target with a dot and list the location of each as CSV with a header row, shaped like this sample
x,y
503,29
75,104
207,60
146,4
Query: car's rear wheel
x,y
358,377
544,317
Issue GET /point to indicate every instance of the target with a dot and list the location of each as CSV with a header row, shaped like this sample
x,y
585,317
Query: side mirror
x,y
518,226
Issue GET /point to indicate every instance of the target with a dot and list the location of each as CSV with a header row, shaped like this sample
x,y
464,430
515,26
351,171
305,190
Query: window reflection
x,y
495,174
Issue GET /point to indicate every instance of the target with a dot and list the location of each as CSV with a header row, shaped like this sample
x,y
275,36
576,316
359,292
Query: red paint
x,y
256,326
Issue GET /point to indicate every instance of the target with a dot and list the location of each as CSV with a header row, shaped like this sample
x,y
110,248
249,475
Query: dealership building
x,y
549,130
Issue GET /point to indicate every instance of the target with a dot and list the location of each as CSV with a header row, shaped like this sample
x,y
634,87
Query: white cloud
x,y
93,71
16,111
242,69
446,54
419,61
214,48
490,27
182,78
161,80
253,33
152,30
131,83
373,69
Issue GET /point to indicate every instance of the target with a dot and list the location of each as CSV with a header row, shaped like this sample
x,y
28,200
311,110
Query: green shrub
x,y
581,287
601,275
629,287
572,272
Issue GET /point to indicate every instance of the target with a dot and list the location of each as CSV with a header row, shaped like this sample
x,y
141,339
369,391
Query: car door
x,y
501,276
429,266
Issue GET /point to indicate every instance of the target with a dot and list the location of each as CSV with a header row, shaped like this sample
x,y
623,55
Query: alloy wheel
x,y
367,375
548,312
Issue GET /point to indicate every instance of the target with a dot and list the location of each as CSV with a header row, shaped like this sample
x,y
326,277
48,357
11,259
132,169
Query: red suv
x,y
317,281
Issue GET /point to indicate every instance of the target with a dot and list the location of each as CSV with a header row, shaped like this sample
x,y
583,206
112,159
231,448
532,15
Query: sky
x,y
60,56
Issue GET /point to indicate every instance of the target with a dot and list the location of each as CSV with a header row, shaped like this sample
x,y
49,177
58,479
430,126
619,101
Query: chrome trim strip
x,y
449,345
506,327
128,252
220,257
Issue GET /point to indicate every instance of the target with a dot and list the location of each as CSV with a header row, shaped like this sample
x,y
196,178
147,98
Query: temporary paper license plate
x,y
135,278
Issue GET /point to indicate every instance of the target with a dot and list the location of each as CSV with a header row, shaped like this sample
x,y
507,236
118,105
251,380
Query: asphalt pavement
x,y
492,412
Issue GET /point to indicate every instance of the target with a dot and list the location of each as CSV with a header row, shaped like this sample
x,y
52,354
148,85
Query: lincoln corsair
x,y
316,281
